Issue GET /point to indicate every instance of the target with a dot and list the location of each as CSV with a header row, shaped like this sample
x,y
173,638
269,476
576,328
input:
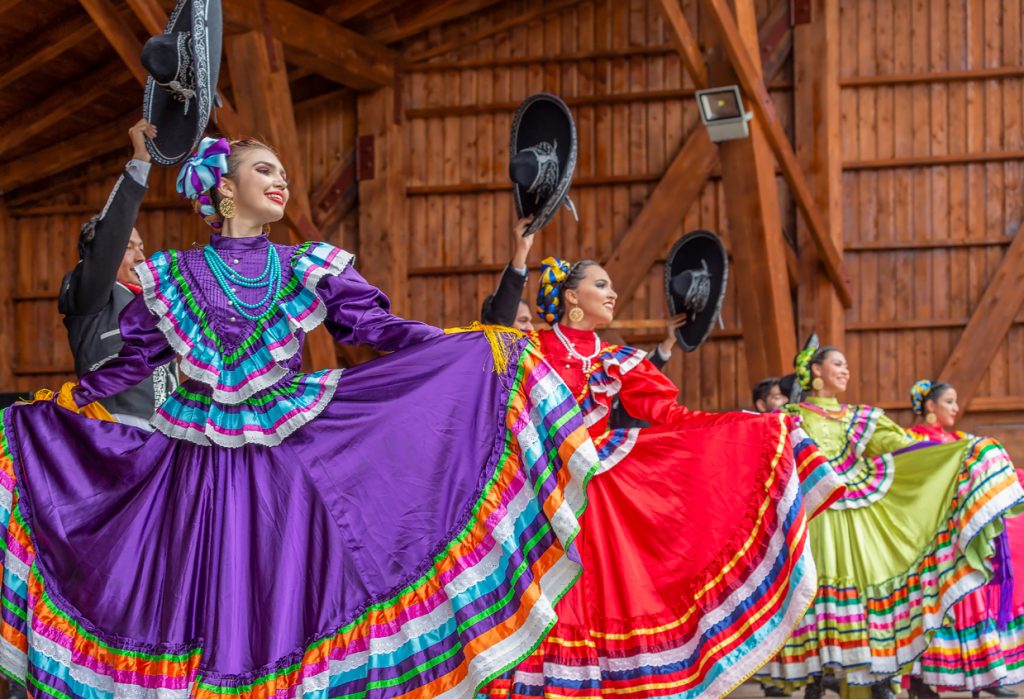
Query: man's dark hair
x,y
763,389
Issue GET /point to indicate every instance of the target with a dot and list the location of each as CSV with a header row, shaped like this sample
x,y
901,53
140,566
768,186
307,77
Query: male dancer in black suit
x,y
104,281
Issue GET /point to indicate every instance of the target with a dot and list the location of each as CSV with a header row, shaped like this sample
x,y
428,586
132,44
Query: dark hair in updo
x,y
550,295
822,354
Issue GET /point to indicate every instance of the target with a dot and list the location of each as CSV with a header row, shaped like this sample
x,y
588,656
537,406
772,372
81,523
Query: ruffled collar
x,y
831,403
254,242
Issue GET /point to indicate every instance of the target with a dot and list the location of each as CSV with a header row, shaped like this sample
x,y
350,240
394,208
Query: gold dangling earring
x,y
266,229
576,314
817,384
226,207
931,418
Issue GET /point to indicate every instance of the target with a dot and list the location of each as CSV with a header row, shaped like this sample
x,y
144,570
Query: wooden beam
x,y
411,18
755,90
113,27
817,112
41,117
340,11
109,137
939,76
383,224
264,100
679,188
992,318
65,33
755,222
468,38
337,195
685,41
316,43
8,5
152,16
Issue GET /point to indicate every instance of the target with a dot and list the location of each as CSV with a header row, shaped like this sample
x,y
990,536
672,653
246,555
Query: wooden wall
x,y
931,145
932,149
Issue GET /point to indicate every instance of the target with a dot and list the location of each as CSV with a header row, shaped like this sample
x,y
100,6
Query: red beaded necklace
x,y
825,412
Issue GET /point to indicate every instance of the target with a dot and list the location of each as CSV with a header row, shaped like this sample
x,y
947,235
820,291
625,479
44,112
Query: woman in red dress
x,y
694,541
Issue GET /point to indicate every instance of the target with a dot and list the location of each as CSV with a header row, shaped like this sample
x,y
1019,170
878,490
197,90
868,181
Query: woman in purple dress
x,y
403,529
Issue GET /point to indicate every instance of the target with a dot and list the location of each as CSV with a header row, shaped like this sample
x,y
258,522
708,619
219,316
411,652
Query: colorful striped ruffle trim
x,y
873,633
615,360
267,418
866,479
821,485
484,604
733,624
975,657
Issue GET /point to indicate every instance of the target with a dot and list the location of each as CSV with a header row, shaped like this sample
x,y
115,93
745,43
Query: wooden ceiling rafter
x,y
65,34
112,26
62,103
754,88
468,38
410,19
341,11
8,5
316,43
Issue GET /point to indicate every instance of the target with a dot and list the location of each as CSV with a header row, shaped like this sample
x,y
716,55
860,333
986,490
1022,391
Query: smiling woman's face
x,y
834,371
595,296
258,185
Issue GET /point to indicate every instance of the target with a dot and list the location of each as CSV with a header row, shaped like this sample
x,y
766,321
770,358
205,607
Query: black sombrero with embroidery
x,y
542,158
696,272
183,65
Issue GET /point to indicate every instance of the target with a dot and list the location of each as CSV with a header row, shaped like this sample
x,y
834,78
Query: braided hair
x,y
557,276
923,391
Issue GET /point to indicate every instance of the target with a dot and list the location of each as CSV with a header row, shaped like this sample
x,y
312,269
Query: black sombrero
x,y
696,271
183,65
542,158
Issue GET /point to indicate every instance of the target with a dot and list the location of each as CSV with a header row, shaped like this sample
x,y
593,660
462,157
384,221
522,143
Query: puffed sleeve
x,y
145,349
359,313
649,395
888,437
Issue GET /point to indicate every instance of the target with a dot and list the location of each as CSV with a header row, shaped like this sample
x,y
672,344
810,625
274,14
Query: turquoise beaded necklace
x,y
226,277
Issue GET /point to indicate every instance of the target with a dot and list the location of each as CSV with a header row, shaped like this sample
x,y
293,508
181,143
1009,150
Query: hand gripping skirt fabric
x,y
890,572
982,644
695,565
412,541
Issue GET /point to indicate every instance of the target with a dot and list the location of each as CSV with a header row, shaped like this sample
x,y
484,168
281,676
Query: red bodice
x,y
616,371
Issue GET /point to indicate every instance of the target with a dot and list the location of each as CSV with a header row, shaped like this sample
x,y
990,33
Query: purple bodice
x,y
244,380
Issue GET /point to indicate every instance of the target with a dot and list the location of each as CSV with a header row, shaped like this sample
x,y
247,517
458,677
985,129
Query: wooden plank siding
x,y
925,230
931,142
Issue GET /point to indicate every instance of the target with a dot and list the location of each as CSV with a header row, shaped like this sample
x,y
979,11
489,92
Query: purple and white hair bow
x,y
202,171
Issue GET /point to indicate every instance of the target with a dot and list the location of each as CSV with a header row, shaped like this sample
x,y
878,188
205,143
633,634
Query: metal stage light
x,y
721,110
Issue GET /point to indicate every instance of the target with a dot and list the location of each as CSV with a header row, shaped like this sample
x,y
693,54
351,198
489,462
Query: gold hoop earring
x,y
226,207
931,418
576,314
818,383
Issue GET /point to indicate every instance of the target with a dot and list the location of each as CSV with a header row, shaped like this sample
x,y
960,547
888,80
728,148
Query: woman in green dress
x,y
912,535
